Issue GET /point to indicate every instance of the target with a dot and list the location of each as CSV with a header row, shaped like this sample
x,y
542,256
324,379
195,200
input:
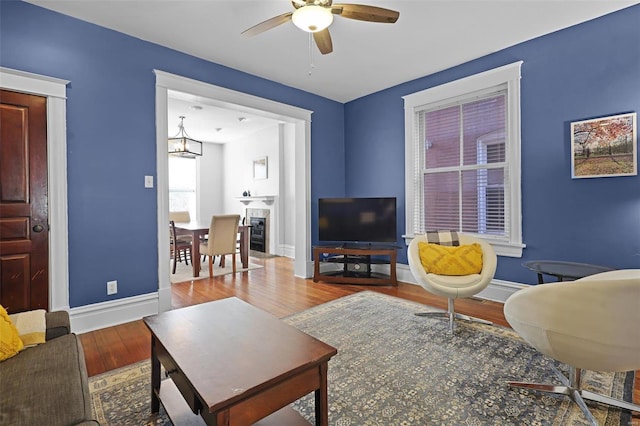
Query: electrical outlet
x,y
112,287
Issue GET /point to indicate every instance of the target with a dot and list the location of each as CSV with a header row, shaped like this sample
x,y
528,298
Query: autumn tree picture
x,y
604,147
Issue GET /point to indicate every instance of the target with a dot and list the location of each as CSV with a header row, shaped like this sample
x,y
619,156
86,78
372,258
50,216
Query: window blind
x,y
461,166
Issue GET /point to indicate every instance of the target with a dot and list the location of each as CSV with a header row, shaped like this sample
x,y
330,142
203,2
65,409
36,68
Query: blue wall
x,y
586,71
590,70
111,138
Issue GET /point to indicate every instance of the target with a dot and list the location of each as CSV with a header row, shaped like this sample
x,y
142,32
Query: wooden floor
x,y
273,289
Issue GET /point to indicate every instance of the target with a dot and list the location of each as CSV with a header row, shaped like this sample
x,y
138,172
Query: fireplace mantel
x,y
267,199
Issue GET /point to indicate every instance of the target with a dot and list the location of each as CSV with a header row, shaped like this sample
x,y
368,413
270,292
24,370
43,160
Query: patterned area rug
x,y
394,368
123,397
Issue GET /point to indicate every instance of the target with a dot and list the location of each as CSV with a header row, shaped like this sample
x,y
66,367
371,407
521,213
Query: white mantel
x,y
266,199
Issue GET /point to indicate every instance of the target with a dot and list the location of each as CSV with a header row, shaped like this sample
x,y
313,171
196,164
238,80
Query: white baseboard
x,y
106,314
287,250
500,290
497,290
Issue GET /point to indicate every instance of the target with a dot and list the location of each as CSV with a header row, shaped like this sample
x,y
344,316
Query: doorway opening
x,y
297,119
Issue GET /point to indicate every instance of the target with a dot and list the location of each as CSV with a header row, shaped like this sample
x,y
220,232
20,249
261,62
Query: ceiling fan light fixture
x,y
312,18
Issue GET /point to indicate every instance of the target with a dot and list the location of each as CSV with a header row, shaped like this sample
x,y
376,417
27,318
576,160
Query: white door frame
x,y
55,90
299,117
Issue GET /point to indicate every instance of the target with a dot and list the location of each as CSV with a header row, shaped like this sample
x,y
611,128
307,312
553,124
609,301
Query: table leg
x,y
195,254
155,377
540,278
244,248
322,401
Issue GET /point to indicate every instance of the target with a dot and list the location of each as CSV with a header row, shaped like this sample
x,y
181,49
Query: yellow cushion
x,y
444,260
10,343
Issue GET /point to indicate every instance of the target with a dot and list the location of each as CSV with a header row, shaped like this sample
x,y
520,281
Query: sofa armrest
x,y
58,324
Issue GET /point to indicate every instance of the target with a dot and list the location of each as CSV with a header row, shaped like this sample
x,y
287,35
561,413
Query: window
x,y
462,152
182,185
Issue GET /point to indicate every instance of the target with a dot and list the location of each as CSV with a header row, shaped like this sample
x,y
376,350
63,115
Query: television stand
x,y
354,264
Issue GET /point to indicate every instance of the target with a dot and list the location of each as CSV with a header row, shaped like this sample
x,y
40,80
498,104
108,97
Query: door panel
x,y
24,230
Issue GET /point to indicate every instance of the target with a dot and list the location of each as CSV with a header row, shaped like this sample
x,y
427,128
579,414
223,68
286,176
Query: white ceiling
x,y
203,118
430,36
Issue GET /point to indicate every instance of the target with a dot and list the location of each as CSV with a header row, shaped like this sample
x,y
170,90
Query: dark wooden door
x,y
24,229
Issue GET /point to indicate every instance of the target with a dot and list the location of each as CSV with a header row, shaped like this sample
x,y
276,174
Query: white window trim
x,y
509,75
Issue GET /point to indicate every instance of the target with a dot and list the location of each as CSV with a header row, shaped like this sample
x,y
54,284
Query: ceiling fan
x,y
315,16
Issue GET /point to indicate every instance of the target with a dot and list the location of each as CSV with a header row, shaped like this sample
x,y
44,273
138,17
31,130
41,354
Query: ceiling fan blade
x,y
323,41
268,24
362,12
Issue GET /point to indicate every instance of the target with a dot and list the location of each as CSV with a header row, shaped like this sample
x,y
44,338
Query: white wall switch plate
x,y
112,287
148,181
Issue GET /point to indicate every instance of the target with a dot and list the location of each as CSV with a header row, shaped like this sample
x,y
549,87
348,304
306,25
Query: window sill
x,y
501,248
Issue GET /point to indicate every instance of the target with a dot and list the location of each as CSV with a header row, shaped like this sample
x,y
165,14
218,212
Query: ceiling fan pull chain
x,y
311,65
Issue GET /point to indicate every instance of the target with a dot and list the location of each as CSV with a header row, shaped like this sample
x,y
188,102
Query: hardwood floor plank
x,y
92,354
275,289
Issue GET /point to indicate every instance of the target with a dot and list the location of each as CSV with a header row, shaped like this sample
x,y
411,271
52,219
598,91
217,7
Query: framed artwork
x,y
604,147
260,168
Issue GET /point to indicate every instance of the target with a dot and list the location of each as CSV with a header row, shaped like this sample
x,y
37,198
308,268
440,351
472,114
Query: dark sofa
x,y
47,384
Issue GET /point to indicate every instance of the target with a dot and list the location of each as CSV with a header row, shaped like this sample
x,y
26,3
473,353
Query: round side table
x,y
563,270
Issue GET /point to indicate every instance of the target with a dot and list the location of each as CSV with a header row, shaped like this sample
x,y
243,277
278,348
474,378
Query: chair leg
x,y
172,258
233,262
573,389
451,314
610,401
210,266
182,254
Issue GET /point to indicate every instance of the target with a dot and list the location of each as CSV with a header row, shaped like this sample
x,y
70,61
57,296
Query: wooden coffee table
x,y
234,364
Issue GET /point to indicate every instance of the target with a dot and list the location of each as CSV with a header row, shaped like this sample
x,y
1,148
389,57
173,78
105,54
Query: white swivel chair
x,y
453,287
592,323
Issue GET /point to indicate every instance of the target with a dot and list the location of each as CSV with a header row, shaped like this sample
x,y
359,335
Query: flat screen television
x,y
357,220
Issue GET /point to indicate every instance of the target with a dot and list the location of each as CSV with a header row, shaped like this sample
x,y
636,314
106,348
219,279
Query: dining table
x,y
197,230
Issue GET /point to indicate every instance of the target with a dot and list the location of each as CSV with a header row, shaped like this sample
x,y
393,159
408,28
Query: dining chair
x,y
223,237
179,247
180,216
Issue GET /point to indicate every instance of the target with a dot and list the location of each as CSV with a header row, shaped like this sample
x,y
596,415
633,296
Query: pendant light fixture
x,y
182,145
